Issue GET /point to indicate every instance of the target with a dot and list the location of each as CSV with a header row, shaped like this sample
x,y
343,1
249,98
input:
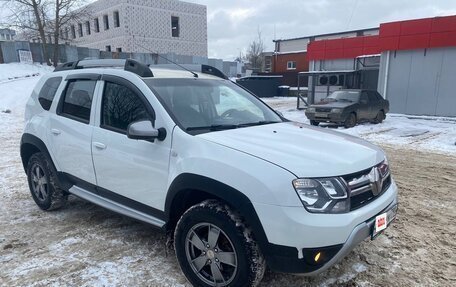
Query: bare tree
x,y
255,51
46,20
30,16
65,12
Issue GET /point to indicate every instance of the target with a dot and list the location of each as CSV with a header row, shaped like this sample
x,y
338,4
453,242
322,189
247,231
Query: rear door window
x,y
48,91
77,101
373,97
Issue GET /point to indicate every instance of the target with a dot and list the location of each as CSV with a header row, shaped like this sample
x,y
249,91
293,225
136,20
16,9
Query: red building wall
x,y
402,35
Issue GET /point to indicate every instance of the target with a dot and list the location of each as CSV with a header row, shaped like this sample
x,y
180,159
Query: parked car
x,y
235,184
349,107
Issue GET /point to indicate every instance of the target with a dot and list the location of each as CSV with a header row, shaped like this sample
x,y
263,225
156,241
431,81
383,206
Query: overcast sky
x,y
233,24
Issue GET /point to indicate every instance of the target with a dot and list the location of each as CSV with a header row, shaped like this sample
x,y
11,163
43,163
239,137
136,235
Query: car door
x,y
374,104
71,130
363,110
128,171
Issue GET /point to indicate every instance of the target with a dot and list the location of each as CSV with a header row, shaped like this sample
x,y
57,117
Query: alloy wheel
x,y
211,254
40,185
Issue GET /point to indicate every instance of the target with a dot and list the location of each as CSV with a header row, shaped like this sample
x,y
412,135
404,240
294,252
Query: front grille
x,y
362,189
322,110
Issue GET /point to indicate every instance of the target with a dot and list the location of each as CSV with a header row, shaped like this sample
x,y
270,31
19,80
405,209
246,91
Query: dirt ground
x,y
85,245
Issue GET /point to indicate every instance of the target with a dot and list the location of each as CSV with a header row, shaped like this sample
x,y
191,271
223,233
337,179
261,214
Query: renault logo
x,y
375,181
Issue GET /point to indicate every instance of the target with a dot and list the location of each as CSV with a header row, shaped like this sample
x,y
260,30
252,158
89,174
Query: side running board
x,y
116,207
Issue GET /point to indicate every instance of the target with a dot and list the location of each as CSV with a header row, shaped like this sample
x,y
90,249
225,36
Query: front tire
x,y
215,248
43,183
350,121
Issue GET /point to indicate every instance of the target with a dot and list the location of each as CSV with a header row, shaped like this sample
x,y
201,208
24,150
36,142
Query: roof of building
x,y
327,34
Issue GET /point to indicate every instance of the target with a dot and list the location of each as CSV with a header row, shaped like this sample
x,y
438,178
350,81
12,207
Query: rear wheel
x,y
43,185
214,247
314,123
350,121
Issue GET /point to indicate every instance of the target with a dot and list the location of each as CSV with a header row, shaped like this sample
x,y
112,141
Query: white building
x,y
7,34
158,26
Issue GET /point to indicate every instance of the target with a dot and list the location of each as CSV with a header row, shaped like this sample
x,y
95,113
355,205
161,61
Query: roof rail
x,y
129,65
205,69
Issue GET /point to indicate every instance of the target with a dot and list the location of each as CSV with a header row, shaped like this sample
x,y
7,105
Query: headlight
x,y
322,195
383,168
311,110
337,111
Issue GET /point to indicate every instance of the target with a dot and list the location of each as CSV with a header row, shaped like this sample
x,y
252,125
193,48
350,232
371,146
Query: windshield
x,y
341,96
200,105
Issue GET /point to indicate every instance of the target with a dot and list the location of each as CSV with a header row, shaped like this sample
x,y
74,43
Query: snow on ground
x,y
435,134
16,71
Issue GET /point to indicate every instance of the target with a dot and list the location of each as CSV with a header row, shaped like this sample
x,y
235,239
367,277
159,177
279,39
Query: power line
x,y
353,13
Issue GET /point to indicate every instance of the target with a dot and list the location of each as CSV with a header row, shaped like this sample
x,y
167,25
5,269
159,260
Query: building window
x,y
87,24
66,33
175,26
106,22
96,25
291,65
73,32
80,30
116,19
108,48
119,50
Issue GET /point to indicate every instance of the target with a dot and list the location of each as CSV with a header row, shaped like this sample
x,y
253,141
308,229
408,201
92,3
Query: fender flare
x,y
240,202
29,141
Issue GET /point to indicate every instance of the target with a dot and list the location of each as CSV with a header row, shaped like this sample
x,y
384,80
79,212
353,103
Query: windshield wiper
x,y
258,123
212,128
229,127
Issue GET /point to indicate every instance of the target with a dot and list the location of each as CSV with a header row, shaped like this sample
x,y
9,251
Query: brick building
x,y
161,26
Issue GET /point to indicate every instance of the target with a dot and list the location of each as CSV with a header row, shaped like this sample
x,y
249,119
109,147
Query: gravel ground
x,y
84,245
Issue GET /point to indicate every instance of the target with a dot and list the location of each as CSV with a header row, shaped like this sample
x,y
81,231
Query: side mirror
x,y
143,130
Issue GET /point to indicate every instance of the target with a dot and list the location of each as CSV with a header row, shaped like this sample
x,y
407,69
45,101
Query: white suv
x,y
237,185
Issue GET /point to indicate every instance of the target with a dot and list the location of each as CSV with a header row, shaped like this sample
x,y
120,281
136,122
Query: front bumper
x,y
294,235
285,259
327,117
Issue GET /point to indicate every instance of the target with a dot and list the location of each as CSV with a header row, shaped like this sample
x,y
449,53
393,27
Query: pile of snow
x,y
437,134
17,71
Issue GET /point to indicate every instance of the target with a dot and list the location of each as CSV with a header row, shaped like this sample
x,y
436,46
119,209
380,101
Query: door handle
x,y
99,145
55,131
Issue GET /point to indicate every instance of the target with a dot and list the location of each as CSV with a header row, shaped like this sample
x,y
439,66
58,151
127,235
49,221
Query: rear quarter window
x,y
47,92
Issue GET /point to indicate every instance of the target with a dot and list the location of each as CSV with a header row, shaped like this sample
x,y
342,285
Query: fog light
x,y
317,257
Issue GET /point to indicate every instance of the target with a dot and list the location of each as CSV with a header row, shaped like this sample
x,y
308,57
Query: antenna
x,y
172,62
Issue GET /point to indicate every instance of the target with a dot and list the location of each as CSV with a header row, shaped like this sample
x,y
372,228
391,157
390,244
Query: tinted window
x,y
373,97
48,91
78,99
121,107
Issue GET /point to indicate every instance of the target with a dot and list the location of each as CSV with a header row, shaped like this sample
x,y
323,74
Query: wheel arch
x,y
189,189
30,145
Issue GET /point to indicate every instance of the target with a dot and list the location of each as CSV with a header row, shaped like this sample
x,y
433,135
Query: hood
x,y
303,150
333,105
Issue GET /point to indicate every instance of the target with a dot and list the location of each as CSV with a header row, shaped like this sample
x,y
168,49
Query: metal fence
x,y
9,54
